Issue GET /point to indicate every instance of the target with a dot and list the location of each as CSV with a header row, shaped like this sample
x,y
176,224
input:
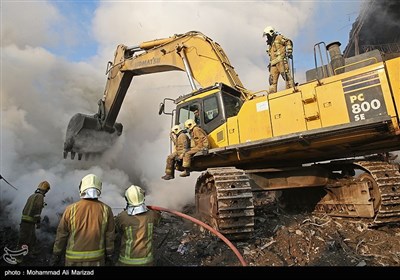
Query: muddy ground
x,y
282,238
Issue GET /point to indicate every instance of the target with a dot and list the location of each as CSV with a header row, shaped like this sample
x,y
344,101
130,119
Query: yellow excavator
x,y
326,143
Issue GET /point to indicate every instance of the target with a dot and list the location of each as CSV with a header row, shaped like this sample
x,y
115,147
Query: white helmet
x,y
269,30
90,181
190,124
134,195
176,129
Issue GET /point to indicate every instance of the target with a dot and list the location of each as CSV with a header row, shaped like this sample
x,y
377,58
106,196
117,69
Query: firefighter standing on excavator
x,y
86,230
31,217
182,145
201,143
280,50
135,225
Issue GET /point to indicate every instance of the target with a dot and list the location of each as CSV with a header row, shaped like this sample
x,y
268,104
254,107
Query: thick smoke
x,y
41,89
376,27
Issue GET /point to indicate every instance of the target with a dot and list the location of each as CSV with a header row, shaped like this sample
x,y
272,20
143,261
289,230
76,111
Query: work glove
x,y
205,151
55,260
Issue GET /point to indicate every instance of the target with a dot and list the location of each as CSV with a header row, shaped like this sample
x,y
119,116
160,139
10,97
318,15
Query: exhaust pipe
x,y
337,59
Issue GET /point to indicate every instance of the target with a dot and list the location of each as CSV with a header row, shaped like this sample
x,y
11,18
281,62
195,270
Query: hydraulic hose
x,y
204,225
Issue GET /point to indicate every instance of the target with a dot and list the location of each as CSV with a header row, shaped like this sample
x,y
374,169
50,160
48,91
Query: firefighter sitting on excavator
x,y
280,51
201,143
182,144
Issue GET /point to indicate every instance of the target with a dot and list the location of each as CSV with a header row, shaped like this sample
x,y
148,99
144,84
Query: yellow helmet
x,y
90,181
44,186
269,30
190,124
134,195
176,129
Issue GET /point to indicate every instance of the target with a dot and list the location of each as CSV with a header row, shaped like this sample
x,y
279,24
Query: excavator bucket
x,y
85,136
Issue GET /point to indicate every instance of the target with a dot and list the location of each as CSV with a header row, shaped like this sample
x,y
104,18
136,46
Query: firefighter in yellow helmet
x,y
201,143
280,49
86,231
181,145
135,226
31,217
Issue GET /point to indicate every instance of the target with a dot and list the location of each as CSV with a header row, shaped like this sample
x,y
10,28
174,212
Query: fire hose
x,y
204,225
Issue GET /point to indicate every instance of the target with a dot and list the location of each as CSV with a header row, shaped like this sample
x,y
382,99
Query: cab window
x,y
211,110
189,112
232,105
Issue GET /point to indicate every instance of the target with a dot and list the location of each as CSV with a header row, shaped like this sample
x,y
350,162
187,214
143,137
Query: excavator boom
x,y
203,60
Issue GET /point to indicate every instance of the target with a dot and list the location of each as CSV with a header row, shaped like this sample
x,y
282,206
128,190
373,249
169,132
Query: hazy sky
x,y
53,62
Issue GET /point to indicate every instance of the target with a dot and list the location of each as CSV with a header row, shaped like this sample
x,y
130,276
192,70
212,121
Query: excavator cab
x,y
210,107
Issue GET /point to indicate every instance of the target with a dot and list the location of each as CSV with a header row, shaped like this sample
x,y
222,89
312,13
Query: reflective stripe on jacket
x,y
136,237
33,208
86,230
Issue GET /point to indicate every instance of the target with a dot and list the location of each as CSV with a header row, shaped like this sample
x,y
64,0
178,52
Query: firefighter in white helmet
x,y
201,143
135,227
280,50
30,220
181,145
86,231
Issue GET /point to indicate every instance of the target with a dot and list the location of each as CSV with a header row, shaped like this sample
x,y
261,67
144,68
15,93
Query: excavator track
x,y
224,200
373,194
387,178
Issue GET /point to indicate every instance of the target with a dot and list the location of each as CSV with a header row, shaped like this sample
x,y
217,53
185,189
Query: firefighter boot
x,y
185,173
167,177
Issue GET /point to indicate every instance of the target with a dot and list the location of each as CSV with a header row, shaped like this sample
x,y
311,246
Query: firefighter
x,y
86,231
280,49
31,217
201,143
135,226
182,144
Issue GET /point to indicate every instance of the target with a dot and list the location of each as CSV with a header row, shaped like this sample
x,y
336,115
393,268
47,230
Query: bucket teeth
x,y
87,156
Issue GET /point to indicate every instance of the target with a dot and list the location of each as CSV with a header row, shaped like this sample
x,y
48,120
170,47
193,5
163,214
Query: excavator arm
x,y
203,60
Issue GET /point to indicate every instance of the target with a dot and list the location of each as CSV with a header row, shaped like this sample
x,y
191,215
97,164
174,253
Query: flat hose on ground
x,y
204,225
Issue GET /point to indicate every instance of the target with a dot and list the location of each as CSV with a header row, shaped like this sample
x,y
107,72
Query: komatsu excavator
x,y
327,142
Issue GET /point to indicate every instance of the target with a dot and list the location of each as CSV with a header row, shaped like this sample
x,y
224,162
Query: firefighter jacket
x,y
33,208
200,138
279,49
86,231
136,237
182,143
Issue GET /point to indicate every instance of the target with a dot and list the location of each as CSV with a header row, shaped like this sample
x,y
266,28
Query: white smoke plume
x,y
41,88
